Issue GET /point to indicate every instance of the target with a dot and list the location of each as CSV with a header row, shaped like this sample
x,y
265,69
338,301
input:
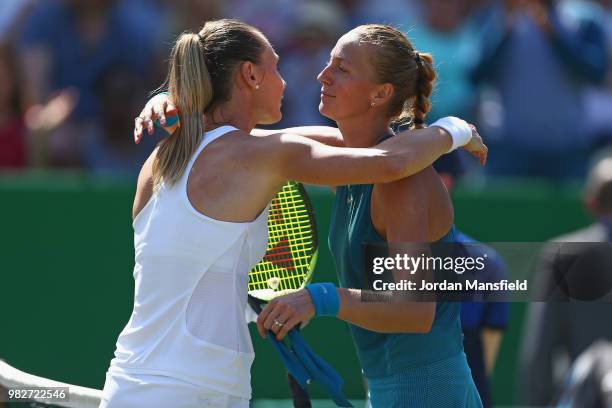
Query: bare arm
x,y
160,107
424,148
144,187
293,157
384,312
385,316
491,340
404,207
323,134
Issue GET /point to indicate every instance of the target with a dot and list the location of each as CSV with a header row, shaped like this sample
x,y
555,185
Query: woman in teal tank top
x,y
411,352
415,368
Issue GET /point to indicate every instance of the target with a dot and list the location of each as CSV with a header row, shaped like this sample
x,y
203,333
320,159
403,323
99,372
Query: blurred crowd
x,y
534,75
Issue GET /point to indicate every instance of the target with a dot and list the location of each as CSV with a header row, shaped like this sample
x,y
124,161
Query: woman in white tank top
x,y
200,217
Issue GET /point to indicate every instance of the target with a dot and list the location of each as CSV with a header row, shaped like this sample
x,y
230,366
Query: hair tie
x,y
418,121
200,37
417,58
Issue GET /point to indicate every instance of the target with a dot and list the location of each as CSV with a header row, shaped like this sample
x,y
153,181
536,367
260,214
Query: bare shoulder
x,y
273,148
251,143
275,139
144,186
411,189
231,145
417,207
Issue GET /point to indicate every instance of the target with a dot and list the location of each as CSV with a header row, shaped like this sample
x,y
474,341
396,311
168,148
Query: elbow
x,y
420,322
424,327
396,166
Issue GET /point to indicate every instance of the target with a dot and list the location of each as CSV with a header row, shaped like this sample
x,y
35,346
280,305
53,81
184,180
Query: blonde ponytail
x,y
191,88
200,78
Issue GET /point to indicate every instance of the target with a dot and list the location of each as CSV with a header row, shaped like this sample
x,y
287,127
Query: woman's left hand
x,y
157,108
285,312
476,146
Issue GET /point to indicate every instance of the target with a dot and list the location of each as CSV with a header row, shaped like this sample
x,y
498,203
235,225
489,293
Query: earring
x,y
372,103
257,86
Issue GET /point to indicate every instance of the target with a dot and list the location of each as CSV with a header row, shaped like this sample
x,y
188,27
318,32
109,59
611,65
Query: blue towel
x,y
304,365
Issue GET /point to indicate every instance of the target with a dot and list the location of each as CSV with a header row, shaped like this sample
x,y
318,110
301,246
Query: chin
x,y
323,110
270,120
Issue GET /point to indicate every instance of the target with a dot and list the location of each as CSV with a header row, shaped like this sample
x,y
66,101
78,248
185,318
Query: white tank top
x,y
191,275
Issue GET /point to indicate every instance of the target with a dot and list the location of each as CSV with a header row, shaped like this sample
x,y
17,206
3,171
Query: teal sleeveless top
x,y
383,354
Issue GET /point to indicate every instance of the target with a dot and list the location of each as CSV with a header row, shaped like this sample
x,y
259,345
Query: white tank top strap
x,y
208,138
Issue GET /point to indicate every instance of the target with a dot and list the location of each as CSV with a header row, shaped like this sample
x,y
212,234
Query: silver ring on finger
x,y
279,324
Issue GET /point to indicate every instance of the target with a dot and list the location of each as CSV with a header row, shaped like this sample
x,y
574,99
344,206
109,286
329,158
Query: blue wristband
x,y
170,120
325,298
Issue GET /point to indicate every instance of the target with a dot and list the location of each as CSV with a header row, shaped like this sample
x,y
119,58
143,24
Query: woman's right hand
x,y
476,146
157,108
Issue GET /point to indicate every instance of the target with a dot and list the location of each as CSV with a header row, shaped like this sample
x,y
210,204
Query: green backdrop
x,y
67,288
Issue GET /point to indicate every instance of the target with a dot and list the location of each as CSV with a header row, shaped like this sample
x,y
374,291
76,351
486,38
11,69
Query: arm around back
x,y
293,157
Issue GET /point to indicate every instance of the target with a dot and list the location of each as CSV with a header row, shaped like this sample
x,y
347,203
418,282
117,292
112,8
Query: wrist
x,y
171,120
325,298
459,130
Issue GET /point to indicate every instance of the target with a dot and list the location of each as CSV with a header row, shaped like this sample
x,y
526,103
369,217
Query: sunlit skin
x,y
348,90
256,96
352,97
267,100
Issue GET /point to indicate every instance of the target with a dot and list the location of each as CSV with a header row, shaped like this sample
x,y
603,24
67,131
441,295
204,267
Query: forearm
x,y
383,313
319,164
417,149
306,160
491,339
327,135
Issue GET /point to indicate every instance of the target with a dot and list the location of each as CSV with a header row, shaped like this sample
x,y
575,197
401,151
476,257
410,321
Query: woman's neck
x,y
235,112
363,133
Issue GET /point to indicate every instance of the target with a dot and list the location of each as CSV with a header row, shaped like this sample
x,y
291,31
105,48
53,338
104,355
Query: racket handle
x,y
301,399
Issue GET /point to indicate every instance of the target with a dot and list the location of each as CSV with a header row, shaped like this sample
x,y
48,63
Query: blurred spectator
x,y
12,14
12,129
68,47
589,383
598,100
536,60
557,331
176,16
317,27
444,29
394,12
194,13
483,322
273,17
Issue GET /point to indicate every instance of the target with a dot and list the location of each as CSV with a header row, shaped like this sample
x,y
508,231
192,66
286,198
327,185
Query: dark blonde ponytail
x,y
200,78
424,86
395,61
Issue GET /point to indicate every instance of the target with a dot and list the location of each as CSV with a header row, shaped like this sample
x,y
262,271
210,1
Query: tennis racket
x,y
289,260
